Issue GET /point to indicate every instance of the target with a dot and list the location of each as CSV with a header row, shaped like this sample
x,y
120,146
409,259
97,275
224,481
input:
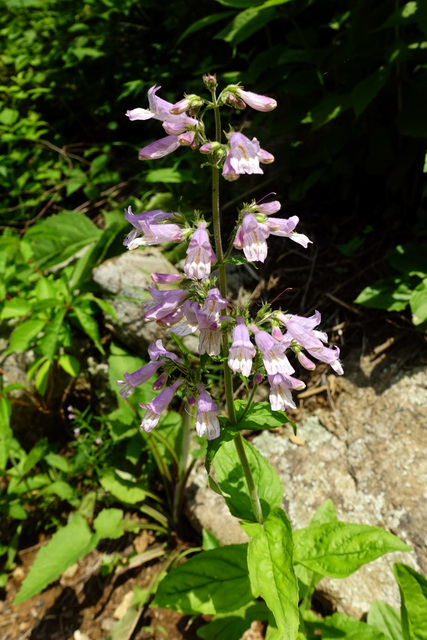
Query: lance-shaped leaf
x,y
271,570
233,484
232,626
212,582
383,617
338,549
340,626
413,593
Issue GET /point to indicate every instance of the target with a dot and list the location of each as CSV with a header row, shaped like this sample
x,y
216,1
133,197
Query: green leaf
x,y
202,23
325,513
94,255
233,485
212,582
59,237
259,416
409,259
62,489
169,175
50,339
24,334
413,593
8,116
58,462
15,308
385,619
227,434
245,24
70,364
340,626
42,377
67,545
338,549
90,327
232,626
418,303
392,294
124,487
209,540
271,570
109,523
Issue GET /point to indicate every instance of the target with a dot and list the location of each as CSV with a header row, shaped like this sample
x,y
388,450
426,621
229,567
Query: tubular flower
x,y
156,406
191,322
285,228
159,148
272,352
242,351
304,334
163,303
149,228
207,423
244,156
280,390
256,101
133,380
252,238
156,350
200,255
213,305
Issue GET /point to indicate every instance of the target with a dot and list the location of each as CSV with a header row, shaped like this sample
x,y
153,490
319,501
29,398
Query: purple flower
x,y
267,208
159,148
251,237
166,278
213,304
150,225
200,255
156,406
285,228
76,432
280,390
242,350
272,352
163,303
133,380
98,441
242,156
191,322
256,101
156,350
160,110
160,382
207,423
186,139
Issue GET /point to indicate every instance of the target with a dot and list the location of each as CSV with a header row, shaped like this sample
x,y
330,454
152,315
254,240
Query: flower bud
x,y
210,81
160,382
186,139
181,106
258,378
191,401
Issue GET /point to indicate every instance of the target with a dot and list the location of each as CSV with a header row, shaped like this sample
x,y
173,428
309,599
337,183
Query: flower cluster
x,y
194,304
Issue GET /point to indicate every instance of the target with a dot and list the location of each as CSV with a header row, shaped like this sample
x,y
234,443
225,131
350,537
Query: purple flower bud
x,y
98,441
208,147
71,416
256,101
191,401
160,382
70,408
258,378
186,139
174,128
265,157
181,106
267,208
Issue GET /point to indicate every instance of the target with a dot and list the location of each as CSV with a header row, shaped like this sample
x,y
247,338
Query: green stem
x,y
228,380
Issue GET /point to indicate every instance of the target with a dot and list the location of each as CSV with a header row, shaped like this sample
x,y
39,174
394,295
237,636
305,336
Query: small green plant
x,y
407,288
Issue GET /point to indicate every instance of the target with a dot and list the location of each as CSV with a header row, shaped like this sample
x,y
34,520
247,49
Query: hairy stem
x,y
228,380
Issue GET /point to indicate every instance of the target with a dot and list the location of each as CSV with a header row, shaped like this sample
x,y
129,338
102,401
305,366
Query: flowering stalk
x,y
228,380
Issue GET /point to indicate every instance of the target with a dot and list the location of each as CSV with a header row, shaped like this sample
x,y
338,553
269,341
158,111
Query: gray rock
x,y
371,461
125,281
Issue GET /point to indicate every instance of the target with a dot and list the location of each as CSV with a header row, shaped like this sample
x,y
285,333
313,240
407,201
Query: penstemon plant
x,y
277,565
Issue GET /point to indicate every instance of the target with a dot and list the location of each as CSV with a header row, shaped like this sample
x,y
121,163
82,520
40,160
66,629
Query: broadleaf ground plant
x,y
276,565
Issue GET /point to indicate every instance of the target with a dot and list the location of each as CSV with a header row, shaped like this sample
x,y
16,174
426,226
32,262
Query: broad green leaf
x,y
94,255
59,237
67,545
15,308
62,489
70,364
227,434
209,540
5,413
413,593
204,22
212,582
89,325
245,24
126,489
386,619
109,523
418,303
232,626
339,626
171,175
271,570
34,456
409,259
392,294
259,416
8,116
58,462
14,510
24,334
233,485
338,549
50,339
324,513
